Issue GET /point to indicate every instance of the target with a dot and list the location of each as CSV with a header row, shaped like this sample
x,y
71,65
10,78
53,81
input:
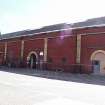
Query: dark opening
x,y
95,62
32,61
64,60
50,60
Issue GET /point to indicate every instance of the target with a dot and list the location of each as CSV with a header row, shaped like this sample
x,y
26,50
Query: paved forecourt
x,y
16,89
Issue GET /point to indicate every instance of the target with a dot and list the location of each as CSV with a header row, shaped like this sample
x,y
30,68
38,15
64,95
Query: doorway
x,y
32,60
96,66
98,61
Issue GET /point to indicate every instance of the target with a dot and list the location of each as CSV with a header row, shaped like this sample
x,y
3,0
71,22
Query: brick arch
x,y
32,52
98,55
95,52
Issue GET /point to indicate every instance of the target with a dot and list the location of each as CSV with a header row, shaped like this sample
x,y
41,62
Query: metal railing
x,y
73,68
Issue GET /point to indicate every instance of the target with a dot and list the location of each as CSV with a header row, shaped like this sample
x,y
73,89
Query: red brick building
x,y
78,47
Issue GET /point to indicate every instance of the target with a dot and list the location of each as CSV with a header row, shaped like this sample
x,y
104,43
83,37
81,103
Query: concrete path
x,y
80,78
16,89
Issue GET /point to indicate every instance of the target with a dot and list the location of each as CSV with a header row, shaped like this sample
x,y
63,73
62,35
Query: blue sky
x,y
18,15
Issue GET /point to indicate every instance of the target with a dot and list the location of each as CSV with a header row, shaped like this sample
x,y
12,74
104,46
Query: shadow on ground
x,y
80,78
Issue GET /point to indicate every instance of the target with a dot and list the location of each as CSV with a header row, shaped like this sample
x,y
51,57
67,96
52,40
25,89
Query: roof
x,y
91,22
30,32
88,23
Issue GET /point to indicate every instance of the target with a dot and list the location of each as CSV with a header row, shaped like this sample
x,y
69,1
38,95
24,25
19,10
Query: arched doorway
x,y
98,61
32,60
